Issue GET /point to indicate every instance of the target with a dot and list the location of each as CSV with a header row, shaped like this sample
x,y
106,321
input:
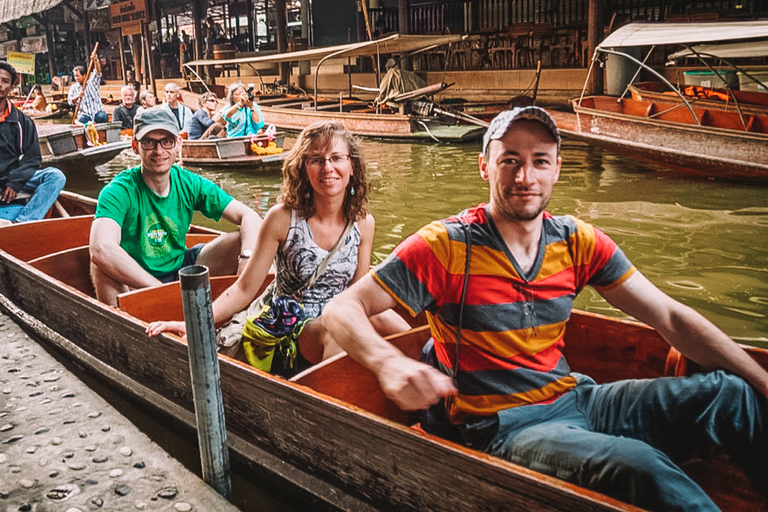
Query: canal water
x,y
704,242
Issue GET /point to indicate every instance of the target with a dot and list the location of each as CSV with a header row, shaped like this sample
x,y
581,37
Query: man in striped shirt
x,y
88,94
505,275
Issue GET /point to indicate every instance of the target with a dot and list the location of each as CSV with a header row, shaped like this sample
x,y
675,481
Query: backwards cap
x,y
504,120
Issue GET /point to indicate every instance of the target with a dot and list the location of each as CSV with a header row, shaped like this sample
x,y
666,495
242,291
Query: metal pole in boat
x,y
206,386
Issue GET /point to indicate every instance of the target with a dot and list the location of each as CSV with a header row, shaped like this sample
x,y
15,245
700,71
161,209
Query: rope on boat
x,y
428,132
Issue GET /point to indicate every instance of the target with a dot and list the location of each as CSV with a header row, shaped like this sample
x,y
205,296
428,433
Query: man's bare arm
x,y
685,329
412,385
112,259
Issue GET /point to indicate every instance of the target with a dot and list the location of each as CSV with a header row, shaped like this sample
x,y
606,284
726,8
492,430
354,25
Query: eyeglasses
x,y
211,100
150,144
334,160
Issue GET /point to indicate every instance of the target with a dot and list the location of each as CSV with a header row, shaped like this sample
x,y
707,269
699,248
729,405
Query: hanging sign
x,y
22,62
129,12
130,30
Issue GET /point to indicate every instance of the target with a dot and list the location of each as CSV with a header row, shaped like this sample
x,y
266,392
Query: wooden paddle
x,y
85,82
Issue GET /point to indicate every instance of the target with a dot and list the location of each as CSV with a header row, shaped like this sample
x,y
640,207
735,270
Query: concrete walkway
x,y
63,448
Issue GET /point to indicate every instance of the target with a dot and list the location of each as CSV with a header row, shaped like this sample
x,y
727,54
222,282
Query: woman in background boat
x,y
241,114
147,99
203,124
324,187
39,103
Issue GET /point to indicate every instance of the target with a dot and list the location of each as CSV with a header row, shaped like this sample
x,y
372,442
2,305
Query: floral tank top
x,y
298,258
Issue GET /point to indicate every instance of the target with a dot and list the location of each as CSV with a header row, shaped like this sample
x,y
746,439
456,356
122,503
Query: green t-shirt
x,y
154,228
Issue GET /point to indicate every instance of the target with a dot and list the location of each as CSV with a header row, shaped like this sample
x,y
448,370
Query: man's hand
x,y
412,385
8,195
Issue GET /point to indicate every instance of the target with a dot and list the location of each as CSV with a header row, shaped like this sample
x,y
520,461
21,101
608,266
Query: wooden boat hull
x,y
750,103
704,150
330,431
379,126
66,147
232,153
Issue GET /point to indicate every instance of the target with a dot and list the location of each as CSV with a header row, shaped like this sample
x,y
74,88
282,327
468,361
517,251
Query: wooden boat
x,y
235,153
693,136
67,146
329,431
295,113
748,102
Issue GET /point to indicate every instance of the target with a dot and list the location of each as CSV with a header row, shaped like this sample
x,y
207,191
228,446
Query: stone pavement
x,y
63,448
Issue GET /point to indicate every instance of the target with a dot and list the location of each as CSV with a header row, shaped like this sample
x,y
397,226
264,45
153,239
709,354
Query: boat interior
x,y
678,113
603,348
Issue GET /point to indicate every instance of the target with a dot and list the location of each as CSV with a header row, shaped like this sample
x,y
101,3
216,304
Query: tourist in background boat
x,y
143,214
126,111
324,188
241,113
39,103
147,100
21,178
203,124
498,283
88,94
180,111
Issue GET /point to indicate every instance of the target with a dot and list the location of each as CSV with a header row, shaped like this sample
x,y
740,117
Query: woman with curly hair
x,y
324,188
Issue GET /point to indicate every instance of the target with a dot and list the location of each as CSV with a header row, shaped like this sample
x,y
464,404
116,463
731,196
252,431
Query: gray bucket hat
x,y
504,120
155,118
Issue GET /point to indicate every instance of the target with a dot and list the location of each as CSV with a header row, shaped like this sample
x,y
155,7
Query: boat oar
x,y
87,76
27,100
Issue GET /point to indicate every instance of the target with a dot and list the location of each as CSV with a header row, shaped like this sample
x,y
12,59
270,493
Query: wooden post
x,y
205,374
121,49
148,61
594,36
281,20
49,38
138,50
403,13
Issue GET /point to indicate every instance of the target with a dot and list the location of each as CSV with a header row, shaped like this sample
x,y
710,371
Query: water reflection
x,y
702,241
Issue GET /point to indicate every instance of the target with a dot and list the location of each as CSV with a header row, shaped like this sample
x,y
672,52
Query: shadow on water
x,y
702,241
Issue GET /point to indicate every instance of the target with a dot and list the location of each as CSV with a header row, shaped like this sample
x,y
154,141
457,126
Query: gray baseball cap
x,y
155,118
504,120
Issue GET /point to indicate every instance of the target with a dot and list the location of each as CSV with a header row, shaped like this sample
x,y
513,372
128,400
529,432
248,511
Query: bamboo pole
x,y
85,83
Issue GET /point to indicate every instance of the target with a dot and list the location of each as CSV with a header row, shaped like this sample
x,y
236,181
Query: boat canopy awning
x,y
11,10
723,51
396,43
649,34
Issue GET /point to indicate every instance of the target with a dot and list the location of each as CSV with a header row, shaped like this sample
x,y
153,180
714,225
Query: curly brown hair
x,y
297,192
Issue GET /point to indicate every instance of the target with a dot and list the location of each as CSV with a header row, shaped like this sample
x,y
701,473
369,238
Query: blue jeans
x,y
44,186
98,117
622,439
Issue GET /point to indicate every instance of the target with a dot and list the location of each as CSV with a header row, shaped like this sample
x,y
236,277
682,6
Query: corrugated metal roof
x,y
395,43
11,10
647,34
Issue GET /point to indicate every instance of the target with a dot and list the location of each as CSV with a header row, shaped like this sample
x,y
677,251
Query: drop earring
x,y
352,190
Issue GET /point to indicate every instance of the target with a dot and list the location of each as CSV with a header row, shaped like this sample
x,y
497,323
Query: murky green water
x,y
704,242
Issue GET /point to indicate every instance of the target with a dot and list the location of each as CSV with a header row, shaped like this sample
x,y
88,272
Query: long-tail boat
x,y
73,148
249,153
415,122
329,431
698,137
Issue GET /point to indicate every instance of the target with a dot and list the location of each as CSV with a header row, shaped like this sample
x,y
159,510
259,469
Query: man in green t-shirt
x,y
139,230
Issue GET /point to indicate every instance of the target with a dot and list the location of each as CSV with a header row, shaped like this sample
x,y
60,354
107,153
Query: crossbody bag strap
x,y
323,264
